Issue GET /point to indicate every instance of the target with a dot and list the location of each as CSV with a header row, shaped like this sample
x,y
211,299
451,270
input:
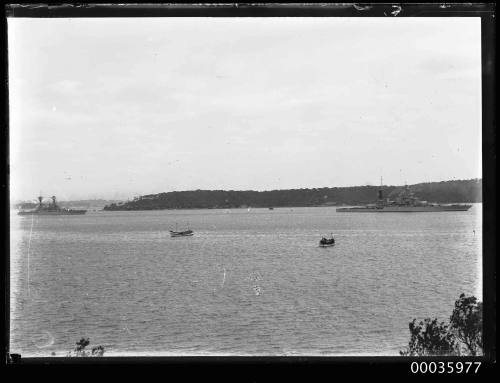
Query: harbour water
x,y
249,282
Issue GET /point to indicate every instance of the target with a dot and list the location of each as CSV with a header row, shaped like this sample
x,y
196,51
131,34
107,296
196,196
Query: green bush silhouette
x,y
462,336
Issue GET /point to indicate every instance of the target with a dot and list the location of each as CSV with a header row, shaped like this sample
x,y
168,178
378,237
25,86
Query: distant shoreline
x,y
261,207
443,192
459,191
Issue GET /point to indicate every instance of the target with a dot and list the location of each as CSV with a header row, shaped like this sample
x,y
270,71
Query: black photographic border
x,y
258,368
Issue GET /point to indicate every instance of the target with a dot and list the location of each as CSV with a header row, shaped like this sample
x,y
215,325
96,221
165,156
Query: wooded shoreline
x,y
456,191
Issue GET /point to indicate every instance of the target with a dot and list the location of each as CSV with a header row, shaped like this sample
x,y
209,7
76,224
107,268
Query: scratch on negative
x,y
29,247
223,279
397,10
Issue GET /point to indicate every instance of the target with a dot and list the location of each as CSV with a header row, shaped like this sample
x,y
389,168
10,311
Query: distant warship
x,y
50,209
405,202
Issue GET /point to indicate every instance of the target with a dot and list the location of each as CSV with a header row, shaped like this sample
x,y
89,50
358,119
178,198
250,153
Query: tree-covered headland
x,y
459,191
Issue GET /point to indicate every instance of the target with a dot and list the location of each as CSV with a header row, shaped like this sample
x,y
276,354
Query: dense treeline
x,y
449,191
446,191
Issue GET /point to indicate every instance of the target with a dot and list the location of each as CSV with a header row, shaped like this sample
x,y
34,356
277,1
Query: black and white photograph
x,y
245,186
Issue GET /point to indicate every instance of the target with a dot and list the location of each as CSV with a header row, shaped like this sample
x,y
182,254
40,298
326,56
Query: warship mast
x,y
380,200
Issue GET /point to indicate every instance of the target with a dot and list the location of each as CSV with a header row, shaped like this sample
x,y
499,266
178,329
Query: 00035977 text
x,y
442,367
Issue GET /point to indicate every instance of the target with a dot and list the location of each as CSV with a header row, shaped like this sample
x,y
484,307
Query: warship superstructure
x,y
405,202
51,209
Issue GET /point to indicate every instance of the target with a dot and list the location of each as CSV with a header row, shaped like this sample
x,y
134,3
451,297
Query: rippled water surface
x,y
249,282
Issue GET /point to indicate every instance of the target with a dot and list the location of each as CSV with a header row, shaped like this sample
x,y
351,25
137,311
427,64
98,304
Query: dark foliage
x,y
81,344
429,338
462,336
80,349
466,322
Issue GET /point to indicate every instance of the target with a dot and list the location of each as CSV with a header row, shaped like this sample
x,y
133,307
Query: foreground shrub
x,y
461,336
80,349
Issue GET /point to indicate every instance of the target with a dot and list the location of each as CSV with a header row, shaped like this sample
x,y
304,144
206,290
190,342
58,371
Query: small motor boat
x,y
327,242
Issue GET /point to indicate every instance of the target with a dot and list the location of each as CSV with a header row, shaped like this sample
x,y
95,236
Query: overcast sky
x,y
114,108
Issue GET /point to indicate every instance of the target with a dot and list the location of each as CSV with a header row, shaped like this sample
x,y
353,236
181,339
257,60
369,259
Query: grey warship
x,y
405,202
51,209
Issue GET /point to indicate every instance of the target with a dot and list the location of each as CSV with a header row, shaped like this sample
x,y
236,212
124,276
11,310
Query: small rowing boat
x,y
186,233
